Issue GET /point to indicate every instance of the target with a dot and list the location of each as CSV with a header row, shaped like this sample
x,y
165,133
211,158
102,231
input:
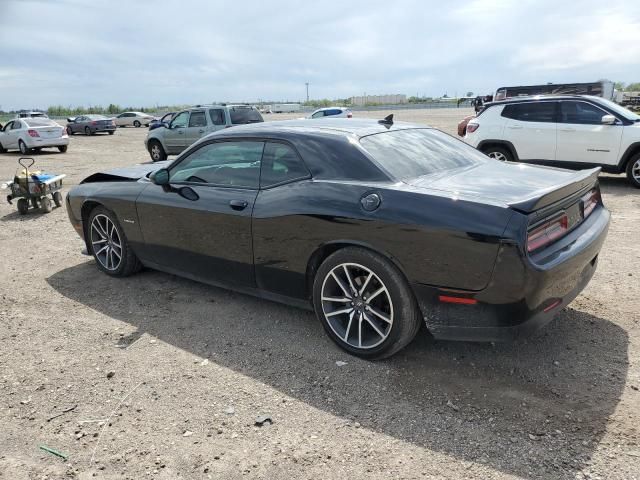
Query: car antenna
x,y
388,120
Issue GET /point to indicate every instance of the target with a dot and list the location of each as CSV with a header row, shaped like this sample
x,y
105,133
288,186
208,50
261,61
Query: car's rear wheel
x,y
499,153
63,148
156,151
108,244
111,132
23,147
364,303
633,170
136,124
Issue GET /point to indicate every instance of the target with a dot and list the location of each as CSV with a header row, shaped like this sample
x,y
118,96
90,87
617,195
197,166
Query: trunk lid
x,y
525,188
49,131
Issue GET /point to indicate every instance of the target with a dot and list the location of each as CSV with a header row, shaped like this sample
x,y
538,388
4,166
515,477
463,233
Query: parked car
x,y
376,226
91,124
333,112
27,134
565,131
133,119
32,115
158,122
190,125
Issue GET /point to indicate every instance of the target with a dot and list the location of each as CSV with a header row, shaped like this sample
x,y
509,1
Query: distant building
x,y
378,99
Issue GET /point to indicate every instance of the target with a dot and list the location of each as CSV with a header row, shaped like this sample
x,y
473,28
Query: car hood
x,y
124,174
520,186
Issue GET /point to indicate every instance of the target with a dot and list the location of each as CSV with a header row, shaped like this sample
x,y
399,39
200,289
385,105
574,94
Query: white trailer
x,y
285,107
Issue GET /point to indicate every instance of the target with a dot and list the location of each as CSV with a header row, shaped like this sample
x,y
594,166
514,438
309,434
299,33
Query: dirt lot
x,y
167,376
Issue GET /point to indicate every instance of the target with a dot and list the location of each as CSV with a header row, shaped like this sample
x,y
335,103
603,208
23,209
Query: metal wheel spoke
x,y
102,240
346,272
373,325
106,247
360,331
336,299
338,312
113,250
346,333
379,314
375,294
342,287
366,282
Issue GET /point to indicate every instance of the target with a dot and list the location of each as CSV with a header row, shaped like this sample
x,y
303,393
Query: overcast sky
x,y
142,53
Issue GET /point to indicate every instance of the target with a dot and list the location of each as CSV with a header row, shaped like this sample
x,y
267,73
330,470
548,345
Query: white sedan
x,y
133,119
331,112
26,134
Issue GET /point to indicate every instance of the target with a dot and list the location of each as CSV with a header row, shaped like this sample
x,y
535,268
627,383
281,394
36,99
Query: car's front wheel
x,y
88,131
69,131
63,148
108,244
499,153
137,124
156,151
633,170
364,303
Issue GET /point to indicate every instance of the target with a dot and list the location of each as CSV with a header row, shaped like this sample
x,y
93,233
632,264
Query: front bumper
x,y
524,293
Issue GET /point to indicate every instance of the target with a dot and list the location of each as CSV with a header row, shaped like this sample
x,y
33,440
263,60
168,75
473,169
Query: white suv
x,y
563,131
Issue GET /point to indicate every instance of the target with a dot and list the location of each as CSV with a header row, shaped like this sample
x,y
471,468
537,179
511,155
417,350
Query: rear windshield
x,y
416,152
245,115
38,122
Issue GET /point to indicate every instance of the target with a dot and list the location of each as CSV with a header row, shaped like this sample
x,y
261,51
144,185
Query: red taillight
x,y
349,115
590,202
547,232
33,133
94,123
458,300
472,127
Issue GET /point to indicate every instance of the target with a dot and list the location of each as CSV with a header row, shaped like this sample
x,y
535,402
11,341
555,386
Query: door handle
x,y
201,131
238,204
515,127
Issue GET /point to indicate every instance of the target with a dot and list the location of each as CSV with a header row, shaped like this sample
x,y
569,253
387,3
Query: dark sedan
x,y
90,125
377,226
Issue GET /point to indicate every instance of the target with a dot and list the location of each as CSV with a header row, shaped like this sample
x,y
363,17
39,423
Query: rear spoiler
x,y
580,181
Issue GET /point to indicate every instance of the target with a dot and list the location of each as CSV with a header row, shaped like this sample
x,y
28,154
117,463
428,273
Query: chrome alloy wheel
x,y
357,305
635,170
105,242
155,151
498,156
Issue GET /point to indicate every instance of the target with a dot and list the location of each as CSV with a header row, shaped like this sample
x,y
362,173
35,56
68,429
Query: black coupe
x,y
378,226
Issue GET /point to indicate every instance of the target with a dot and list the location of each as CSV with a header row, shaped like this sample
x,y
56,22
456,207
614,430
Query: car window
x,y
241,115
580,113
233,164
197,119
8,126
39,122
333,111
412,153
167,117
280,163
531,112
217,116
181,120
318,114
16,125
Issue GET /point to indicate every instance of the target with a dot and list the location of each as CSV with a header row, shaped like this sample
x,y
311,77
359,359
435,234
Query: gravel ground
x,y
166,377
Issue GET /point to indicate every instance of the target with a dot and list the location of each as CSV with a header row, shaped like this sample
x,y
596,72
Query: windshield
x,y
245,115
416,152
623,112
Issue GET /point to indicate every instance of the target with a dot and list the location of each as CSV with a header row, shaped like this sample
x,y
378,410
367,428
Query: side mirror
x,y
608,119
160,177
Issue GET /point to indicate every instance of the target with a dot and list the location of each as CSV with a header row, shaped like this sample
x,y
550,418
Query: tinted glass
x,y
280,163
197,119
413,153
580,113
180,120
8,126
531,112
318,114
620,110
233,164
333,111
167,117
16,125
244,115
217,116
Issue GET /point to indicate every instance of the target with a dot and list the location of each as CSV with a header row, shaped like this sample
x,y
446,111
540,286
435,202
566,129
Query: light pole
x,y
307,85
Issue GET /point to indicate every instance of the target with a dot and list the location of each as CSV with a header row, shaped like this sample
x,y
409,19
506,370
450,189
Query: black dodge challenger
x,y
378,226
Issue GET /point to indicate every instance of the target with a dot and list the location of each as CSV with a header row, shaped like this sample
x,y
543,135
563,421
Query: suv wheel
x,y
633,170
156,151
499,153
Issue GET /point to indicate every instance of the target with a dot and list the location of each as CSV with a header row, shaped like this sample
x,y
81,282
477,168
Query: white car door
x,y
583,138
6,136
531,129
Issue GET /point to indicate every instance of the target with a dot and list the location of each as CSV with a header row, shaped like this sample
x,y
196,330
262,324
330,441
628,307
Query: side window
x,y
233,164
280,163
197,119
8,126
217,116
581,113
531,112
318,114
180,121
16,125
333,111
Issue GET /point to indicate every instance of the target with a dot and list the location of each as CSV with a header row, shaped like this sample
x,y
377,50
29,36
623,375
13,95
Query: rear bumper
x,y
522,296
104,128
47,142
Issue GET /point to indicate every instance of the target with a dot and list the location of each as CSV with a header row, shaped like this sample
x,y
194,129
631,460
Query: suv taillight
x,y
33,133
548,232
472,127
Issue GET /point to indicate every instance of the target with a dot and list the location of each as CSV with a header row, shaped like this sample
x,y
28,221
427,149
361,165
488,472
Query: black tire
x,y
2,149
23,147
156,151
63,148
57,199
45,205
499,153
633,170
111,132
23,206
88,131
403,310
137,124
69,131
129,263
34,202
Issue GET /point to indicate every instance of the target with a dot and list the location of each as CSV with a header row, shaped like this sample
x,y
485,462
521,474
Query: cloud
x,y
142,53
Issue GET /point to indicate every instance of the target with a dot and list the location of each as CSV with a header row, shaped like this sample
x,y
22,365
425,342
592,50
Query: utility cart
x,y
33,189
